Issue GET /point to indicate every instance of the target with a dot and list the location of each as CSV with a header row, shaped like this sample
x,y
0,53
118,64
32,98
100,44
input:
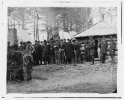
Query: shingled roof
x,y
98,29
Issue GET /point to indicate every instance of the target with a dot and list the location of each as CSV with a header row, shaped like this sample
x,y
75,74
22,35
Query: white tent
x,y
23,36
98,29
64,35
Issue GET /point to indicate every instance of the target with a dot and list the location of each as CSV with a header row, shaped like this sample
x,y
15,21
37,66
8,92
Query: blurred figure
x,y
78,52
92,49
103,50
112,50
21,47
44,53
98,50
8,45
69,52
87,51
15,45
57,52
82,52
48,52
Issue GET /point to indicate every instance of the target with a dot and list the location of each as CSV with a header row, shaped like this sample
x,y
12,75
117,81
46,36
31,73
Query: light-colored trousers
x,y
98,53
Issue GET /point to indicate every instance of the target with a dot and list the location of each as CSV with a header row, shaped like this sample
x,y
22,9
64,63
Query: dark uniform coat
x,y
103,47
69,51
44,53
112,47
91,46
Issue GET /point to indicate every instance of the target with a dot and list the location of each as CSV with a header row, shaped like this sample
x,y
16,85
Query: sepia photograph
x,y
62,49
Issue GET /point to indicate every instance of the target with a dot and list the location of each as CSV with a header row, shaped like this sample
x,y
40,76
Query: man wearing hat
x,y
21,47
92,48
103,49
69,51
15,46
112,49
44,53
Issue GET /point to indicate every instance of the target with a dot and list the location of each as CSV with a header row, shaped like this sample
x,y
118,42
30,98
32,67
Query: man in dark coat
x,y
48,52
15,46
44,53
103,50
78,51
37,51
112,49
52,52
21,47
92,49
87,51
69,51
41,50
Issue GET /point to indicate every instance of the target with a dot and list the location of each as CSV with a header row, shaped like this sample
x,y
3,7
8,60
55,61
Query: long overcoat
x,y
92,47
69,51
112,47
103,47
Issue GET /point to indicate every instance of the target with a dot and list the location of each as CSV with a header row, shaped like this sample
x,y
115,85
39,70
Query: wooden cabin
x,y
98,31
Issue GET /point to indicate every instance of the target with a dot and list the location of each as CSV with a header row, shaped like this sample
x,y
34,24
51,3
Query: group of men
x,y
62,51
103,47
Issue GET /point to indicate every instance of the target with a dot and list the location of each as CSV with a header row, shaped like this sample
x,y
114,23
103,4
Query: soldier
x,y
21,48
64,47
112,49
57,53
98,50
52,52
69,51
48,52
82,52
15,46
8,46
103,50
78,52
41,50
73,46
92,49
87,51
44,53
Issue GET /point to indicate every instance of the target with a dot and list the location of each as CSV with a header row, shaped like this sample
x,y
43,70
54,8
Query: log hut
x,y
98,30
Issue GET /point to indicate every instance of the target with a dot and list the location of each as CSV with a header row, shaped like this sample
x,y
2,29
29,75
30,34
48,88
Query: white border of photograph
x,y
62,3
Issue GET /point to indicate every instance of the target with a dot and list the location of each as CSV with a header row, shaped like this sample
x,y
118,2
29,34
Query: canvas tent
x,y
98,29
18,35
22,35
64,35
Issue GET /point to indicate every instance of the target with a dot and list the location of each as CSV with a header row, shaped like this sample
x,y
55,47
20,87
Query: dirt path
x,y
78,78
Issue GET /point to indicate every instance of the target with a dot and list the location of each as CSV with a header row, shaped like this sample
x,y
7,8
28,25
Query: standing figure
x,y
92,49
27,63
21,47
41,50
112,49
57,52
48,52
52,52
44,53
69,51
78,51
103,50
98,49
87,51
15,46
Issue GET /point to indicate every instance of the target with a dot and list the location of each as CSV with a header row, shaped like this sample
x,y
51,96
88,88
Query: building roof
x,y
98,29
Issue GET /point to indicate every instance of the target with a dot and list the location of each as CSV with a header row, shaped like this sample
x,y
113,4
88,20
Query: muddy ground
x,y
74,78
